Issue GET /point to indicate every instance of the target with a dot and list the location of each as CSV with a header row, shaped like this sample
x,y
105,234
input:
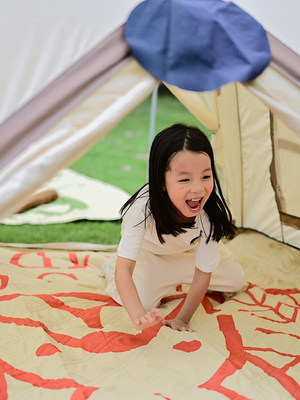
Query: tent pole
x,y
153,113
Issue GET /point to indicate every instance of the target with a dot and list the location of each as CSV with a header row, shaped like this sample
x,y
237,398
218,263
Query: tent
x,y
67,77
64,88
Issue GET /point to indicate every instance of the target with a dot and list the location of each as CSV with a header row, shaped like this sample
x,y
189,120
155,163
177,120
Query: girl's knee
x,y
239,278
228,277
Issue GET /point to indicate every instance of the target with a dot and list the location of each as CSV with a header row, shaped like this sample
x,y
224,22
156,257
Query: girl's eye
x,y
183,180
207,177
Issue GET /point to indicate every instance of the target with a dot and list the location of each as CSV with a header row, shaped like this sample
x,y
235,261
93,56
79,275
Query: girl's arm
x,y
193,299
130,298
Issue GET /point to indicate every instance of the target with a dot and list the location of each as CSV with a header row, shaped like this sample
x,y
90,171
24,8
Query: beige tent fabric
x,y
245,152
280,94
227,149
288,147
199,104
218,111
259,206
62,337
74,135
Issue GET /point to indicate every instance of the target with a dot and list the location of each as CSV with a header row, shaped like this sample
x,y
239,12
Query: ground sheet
x,y
62,337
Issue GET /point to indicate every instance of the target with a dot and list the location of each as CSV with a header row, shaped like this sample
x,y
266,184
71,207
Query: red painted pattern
x,y
239,355
278,306
164,397
47,349
188,347
81,392
4,281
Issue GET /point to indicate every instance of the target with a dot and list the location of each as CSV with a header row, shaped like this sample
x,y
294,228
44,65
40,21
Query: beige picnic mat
x,y
79,197
62,337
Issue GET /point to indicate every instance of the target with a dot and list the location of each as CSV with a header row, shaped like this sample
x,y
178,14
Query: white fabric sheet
x,y
80,197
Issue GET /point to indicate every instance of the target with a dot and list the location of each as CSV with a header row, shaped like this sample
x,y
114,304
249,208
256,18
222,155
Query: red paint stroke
x,y
78,295
158,394
47,349
293,363
285,292
57,273
237,358
95,342
4,281
47,263
3,387
167,299
269,332
206,302
276,310
90,316
74,259
81,392
188,347
217,296
208,306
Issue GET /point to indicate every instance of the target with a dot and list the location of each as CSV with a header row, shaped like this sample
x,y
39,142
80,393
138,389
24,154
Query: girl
x,y
171,232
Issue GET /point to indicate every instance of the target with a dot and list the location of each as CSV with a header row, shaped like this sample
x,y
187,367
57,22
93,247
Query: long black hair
x,y
165,145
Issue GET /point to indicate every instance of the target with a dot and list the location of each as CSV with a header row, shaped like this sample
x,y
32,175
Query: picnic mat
x,y
62,337
80,197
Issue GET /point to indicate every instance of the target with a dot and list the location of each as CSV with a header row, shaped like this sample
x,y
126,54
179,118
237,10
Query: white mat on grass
x,y
80,197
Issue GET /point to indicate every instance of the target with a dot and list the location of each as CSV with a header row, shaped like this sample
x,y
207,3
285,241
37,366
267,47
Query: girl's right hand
x,y
149,319
177,325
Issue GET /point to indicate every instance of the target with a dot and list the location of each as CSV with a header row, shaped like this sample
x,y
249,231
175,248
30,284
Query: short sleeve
x,y
133,231
207,255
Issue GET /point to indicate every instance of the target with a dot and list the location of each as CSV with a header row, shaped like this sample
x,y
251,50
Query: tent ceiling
x,y
40,39
278,18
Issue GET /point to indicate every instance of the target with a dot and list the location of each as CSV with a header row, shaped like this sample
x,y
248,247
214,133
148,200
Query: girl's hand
x,y
149,319
177,325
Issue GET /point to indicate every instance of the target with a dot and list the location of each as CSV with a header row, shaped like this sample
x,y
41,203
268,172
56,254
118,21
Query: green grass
x,y
120,158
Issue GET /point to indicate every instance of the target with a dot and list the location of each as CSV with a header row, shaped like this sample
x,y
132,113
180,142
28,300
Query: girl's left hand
x,y
149,319
177,325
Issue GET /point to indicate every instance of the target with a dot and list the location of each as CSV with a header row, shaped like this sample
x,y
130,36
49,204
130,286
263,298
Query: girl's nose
x,y
198,188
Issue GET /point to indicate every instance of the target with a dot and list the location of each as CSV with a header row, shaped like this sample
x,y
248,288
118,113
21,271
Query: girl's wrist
x,y
138,314
182,319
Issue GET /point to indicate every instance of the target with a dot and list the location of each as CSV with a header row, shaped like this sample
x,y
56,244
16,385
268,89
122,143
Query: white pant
x,y
155,275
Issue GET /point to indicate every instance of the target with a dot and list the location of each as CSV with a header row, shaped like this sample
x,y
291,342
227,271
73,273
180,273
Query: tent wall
x,y
256,154
74,134
52,103
259,204
280,94
287,148
51,124
270,153
230,168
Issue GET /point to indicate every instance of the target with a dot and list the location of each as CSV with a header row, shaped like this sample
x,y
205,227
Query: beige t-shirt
x,y
138,235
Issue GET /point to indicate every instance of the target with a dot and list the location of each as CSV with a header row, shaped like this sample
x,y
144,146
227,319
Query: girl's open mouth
x,y
194,204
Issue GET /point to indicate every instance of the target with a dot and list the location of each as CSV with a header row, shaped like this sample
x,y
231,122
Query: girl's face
x,y
189,183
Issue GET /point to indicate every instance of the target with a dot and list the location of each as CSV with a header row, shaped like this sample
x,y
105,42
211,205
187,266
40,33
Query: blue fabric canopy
x,y
197,45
